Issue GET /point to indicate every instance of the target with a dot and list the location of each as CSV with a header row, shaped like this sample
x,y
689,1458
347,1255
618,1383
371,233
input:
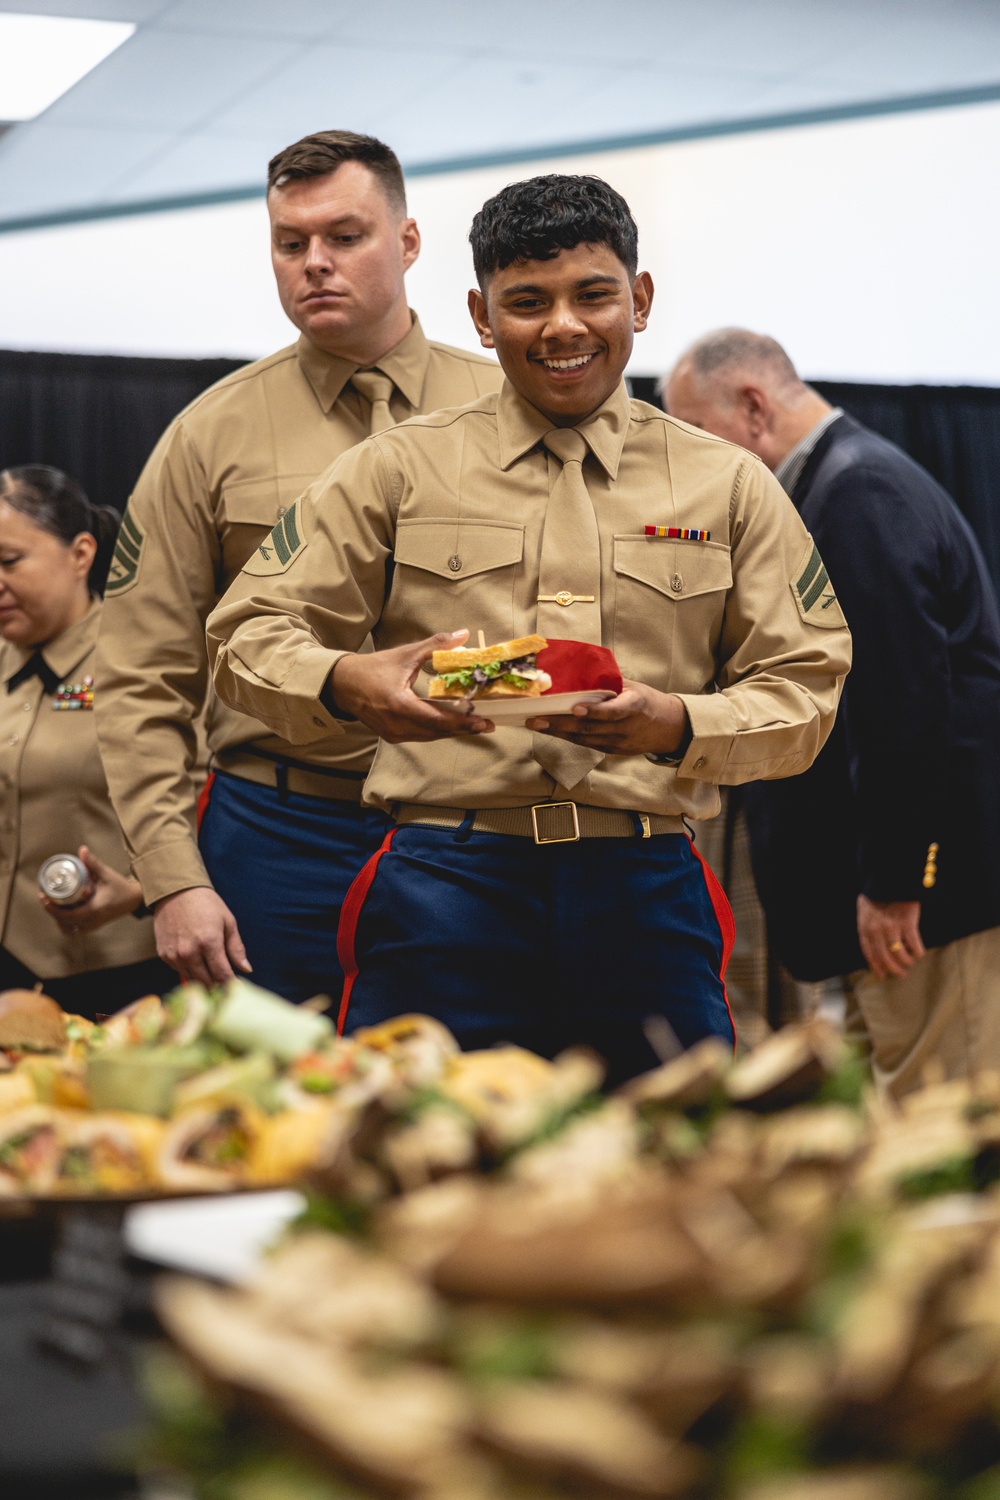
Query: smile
x,y
567,364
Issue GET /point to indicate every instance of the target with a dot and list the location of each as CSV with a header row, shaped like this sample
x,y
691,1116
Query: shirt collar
x,y
789,471
66,651
405,365
520,426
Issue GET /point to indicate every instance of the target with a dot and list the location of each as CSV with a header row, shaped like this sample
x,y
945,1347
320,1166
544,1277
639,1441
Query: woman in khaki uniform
x,y
55,550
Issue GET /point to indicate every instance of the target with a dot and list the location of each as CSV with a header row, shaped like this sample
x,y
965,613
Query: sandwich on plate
x,y
507,670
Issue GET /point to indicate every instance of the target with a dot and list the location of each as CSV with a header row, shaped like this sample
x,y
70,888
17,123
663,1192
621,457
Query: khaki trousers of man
x,y
940,1021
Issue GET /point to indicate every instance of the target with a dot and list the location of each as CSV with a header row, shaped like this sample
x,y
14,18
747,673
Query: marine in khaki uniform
x,y
284,832
533,510
55,548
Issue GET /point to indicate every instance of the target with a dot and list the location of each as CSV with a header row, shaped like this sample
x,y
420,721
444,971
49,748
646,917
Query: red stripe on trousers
x,y
350,914
727,924
204,795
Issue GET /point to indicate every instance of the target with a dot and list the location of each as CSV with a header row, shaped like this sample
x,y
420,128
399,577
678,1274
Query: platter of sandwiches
x,y
732,1279
503,681
219,1091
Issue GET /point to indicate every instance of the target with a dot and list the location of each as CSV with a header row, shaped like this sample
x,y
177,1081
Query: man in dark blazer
x,y
883,860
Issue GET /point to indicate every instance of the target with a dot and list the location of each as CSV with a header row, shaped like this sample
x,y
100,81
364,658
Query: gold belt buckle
x,y
539,819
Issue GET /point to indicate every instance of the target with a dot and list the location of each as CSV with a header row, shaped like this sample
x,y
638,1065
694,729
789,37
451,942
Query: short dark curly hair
x,y
535,219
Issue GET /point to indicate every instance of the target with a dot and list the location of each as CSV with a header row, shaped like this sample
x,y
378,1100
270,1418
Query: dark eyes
x,y
293,247
529,304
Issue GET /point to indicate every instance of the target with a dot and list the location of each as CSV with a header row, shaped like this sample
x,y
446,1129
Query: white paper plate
x,y
513,713
224,1237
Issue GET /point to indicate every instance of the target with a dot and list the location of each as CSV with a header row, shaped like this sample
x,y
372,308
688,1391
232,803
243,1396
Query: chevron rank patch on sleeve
x,y
814,593
280,548
124,572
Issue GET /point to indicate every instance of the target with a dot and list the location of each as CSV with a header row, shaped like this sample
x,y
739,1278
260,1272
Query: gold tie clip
x,y
564,597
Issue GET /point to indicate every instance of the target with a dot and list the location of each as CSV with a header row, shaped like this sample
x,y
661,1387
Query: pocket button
x,y
677,583
455,563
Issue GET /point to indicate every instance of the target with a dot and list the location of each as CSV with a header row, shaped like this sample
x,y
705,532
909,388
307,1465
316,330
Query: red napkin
x,y
576,666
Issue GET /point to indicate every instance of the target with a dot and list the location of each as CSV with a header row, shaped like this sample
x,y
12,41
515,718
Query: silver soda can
x,y
65,880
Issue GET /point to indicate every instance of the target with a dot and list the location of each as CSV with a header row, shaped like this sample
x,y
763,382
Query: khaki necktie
x,y
377,389
569,586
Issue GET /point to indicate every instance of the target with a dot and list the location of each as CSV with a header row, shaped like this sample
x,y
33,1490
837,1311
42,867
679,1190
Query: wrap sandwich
x,y
105,1153
208,1148
29,1151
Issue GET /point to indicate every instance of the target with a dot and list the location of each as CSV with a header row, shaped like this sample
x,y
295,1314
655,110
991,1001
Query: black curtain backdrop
x,y
953,430
95,416
98,417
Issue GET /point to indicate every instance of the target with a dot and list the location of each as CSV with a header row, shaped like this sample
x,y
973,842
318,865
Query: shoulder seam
x,y
251,371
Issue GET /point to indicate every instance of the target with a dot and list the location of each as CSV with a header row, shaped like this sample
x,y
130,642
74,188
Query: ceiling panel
x,y
206,90
95,10
85,162
169,79
201,162
359,88
296,19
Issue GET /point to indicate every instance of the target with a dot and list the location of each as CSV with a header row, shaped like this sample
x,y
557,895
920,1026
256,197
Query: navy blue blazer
x,y
914,757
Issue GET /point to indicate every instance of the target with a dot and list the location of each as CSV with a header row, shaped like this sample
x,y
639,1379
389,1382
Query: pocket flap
x,y
262,502
678,569
458,549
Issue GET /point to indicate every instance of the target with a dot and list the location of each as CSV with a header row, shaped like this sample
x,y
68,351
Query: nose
x,y
319,260
564,322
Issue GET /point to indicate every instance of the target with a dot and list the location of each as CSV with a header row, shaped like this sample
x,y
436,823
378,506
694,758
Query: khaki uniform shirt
x,y
456,501
220,477
53,798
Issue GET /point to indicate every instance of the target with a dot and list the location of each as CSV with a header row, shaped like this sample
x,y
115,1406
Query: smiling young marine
x,y
540,887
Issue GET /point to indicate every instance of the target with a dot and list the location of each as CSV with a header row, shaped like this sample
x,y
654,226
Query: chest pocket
x,y
680,570
250,508
262,502
458,549
690,580
453,575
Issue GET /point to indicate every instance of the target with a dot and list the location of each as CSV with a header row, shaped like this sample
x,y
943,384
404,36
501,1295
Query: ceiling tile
x,y
301,19
162,79
55,167
94,10
494,105
333,88
521,26
200,163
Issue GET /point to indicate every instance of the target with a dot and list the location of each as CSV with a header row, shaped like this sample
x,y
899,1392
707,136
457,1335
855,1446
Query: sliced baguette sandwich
x,y
506,670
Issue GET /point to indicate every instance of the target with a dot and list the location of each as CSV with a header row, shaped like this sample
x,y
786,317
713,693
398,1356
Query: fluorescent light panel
x,y
43,56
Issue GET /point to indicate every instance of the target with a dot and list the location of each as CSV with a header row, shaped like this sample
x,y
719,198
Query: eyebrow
x,y
283,226
602,279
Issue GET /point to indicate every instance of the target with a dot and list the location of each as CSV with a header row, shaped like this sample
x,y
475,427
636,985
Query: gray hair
x,y
729,350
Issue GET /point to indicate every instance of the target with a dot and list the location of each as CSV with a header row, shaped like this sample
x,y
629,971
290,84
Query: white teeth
x,y
566,364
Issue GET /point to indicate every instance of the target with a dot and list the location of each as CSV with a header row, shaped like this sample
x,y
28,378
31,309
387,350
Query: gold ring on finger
x,y
896,947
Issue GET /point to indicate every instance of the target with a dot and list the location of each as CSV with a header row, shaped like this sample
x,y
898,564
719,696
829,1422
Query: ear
x,y
82,550
642,300
480,316
409,239
756,409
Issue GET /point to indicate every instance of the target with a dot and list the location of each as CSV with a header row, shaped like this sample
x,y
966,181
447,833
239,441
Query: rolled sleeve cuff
x,y
713,733
171,868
